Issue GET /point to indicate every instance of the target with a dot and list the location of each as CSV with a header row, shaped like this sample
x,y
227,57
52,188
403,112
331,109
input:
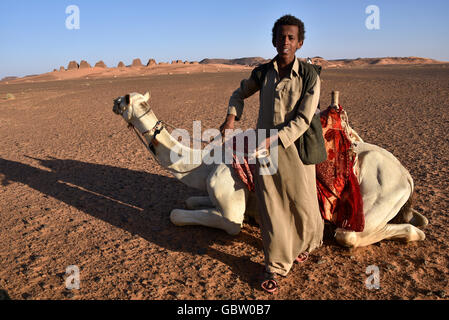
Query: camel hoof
x,y
346,238
234,229
418,220
414,234
176,217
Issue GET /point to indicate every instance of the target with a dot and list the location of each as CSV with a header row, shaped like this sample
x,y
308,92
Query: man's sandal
x,y
269,284
302,257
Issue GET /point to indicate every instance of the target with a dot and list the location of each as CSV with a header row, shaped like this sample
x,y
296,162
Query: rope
x,y
155,158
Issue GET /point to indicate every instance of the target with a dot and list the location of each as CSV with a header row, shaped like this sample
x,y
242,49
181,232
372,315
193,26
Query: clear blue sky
x,y
34,37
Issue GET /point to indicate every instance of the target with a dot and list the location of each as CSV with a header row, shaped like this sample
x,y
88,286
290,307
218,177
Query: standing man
x,y
291,223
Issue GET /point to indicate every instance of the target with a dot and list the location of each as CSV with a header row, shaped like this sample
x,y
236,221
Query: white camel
x,y
386,186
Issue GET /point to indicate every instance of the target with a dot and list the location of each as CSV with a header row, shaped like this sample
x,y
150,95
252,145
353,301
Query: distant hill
x,y
211,65
373,61
9,78
255,61
251,61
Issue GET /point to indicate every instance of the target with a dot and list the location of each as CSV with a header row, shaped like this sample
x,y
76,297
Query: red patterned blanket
x,y
338,190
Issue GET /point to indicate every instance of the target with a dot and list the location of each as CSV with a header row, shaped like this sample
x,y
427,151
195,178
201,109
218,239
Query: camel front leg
x,y
205,217
228,204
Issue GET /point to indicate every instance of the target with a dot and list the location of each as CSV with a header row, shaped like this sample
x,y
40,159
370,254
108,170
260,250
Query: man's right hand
x,y
228,124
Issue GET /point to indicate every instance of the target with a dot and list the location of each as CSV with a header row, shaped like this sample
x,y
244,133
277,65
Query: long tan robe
x,y
291,222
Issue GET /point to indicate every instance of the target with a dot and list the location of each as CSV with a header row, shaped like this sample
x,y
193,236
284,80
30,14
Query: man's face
x,y
287,42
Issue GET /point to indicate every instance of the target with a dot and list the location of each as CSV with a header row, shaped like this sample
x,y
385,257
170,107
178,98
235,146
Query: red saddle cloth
x,y
338,190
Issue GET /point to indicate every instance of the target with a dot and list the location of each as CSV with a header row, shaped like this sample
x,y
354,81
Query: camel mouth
x,y
121,104
118,108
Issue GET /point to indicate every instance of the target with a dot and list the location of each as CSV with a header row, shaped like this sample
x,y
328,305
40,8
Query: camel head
x,y
135,110
131,105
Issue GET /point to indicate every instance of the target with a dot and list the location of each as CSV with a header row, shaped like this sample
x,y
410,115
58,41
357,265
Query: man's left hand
x,y
267,143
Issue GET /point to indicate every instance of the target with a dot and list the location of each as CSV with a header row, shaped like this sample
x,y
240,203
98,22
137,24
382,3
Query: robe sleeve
x,y
298,125
247,88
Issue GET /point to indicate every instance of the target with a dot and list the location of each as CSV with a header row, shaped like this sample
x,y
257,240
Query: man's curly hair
x,y
288,20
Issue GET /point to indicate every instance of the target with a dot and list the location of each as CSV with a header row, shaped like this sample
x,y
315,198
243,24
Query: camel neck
x,y
184,163
172,155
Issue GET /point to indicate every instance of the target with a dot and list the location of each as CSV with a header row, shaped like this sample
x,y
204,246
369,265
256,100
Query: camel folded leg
x,y
377,227
403,231
418,220
204,217
194,203
386,187
227,204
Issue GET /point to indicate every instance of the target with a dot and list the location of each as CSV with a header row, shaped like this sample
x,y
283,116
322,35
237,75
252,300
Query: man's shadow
x,y
135,201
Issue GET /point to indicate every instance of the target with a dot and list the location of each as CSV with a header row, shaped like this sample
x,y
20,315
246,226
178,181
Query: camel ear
x,y
147,96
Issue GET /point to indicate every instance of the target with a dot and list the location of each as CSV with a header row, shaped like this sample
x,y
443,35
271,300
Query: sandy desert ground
x,y
70,194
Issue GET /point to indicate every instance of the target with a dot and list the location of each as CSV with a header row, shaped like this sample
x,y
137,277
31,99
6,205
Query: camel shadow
x,y
135,201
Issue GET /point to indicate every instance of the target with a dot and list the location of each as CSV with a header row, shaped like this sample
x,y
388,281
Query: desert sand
x,y
78,188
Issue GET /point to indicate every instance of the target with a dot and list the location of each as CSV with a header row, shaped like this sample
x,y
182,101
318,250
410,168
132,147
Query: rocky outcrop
x,y
9,78
84,64
61,68
137,63
73,65
121,65
151,62
100,64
